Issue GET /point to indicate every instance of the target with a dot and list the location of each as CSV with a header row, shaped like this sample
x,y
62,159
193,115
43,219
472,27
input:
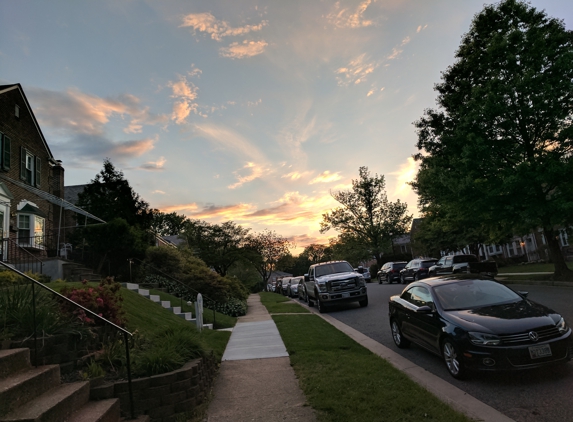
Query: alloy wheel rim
x,y
451,358
396,333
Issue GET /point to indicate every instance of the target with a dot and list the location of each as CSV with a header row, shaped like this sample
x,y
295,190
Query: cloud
x,y
210,212
295,175
186,93
421,28
241,50
154,165
396,51
405,174
254,172
326,177
134,148
159,192
231,141
74,112
347,18
356,71
206,22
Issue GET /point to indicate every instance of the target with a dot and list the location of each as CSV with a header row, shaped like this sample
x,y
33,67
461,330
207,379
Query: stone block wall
x,y
163,397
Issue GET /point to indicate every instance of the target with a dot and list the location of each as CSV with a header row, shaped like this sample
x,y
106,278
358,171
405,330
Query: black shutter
x,y
23,163
38,171
6,148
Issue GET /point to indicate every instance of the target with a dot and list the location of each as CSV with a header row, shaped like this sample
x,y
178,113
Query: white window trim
x,y
32,240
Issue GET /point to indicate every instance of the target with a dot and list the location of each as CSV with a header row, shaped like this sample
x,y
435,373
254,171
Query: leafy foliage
x,y
366,215
264,250
104,300
218,245
498,151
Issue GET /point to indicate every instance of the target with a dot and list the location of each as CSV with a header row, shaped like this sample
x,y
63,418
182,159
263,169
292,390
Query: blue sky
x,y
251,111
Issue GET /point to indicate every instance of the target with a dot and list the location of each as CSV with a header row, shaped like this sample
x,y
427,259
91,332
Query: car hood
x,y
505,319
337,276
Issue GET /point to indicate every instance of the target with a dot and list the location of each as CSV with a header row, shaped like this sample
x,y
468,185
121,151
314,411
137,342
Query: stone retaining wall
x,y
164,396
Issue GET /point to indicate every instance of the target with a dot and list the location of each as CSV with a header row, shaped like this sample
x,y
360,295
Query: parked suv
x,y
334,282
416,269
390,272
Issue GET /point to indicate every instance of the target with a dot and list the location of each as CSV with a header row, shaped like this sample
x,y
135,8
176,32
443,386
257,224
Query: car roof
x,y
451,278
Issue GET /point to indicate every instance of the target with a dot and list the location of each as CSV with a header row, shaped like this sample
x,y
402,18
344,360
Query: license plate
x,y
345,294
542,351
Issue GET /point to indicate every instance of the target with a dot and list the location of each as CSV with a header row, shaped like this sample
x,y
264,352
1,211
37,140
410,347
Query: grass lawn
x,y
279,304
344,382
531,268
148,318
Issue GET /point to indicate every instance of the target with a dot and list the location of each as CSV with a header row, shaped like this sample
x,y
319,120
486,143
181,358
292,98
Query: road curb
x,y
448,393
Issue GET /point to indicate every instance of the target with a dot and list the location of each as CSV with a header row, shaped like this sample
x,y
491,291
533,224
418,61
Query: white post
x,y
199,312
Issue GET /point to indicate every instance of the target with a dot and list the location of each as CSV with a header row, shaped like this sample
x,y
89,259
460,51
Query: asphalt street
x,y
540,395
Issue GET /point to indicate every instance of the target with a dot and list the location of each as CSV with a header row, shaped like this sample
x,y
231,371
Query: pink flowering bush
x,y
105,300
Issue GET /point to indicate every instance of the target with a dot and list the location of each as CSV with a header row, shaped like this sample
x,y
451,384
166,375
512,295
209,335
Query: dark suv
x,y
390,272
417,269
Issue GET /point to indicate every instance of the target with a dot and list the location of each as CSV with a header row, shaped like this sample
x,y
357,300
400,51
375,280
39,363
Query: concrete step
x,y
176,310
53,406
98,411
24,386
155,298
187,316
208,326
13,360
130,286
143,292
166,304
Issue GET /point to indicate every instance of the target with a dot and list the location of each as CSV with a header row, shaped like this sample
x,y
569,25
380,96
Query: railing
x,y
122,330
180,283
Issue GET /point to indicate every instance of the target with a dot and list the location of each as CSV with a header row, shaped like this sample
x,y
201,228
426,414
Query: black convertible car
x,y
477,323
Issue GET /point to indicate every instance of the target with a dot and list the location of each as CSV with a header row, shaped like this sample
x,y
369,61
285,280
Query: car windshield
x,y
427,264
469,294
399,266
333,268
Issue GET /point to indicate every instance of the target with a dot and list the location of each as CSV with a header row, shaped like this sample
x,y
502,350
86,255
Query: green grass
x,y
221,320
150,318
531,268
279,304
345,382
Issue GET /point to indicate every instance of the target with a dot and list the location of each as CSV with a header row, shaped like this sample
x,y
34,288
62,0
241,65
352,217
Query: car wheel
x,y
453,359
309,301
363,303
416,277
320,306
397,336
379,279
403,279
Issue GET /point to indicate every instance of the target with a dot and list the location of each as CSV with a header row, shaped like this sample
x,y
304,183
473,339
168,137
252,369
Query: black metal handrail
x,y
180,282
29,255
106,321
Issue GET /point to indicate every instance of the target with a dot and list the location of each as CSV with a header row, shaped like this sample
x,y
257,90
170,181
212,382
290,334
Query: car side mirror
x,y
524,294
306,277
424,310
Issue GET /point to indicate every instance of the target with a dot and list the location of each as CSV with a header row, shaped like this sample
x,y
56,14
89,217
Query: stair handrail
x,y
30,254
180,282
123,330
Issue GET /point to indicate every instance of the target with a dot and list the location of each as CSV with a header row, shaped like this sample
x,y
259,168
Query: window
x,y
5,145
419,296
403,248
30,167
17,110
31,230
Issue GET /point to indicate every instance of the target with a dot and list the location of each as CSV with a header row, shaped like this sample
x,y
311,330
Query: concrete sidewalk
x,y
255,381
255,385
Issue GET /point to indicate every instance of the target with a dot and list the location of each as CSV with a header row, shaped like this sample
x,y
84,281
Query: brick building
x,y
32,205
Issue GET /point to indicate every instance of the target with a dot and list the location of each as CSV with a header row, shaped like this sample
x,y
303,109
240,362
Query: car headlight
x,y
483,339
562,326
360,281
321,287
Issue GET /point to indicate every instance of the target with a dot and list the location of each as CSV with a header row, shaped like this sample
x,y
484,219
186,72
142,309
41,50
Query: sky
x,y
250,111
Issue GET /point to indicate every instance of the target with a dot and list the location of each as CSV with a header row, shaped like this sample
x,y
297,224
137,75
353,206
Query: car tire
x,y
320,306
402,279
379,279
416,277
363,303
309,301
452,359
399,339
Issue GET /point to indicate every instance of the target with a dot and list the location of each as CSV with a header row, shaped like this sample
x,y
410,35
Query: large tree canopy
x,y
264,251
498,148
367,215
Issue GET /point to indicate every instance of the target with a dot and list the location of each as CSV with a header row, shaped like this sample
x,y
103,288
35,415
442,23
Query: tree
x,y
264,250
316,253
110,196
349,247
498,149
218,245
367,215
170,224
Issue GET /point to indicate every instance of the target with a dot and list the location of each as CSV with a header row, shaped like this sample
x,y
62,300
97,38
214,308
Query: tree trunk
x,y
561,269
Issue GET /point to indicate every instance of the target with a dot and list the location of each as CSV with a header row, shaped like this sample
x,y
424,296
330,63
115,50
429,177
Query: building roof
x,y
7,88
71,193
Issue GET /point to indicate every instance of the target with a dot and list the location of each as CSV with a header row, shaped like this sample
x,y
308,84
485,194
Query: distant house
x,y
32,204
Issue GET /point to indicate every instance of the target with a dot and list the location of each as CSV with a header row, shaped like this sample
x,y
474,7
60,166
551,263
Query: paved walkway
x,y
255,385
255,381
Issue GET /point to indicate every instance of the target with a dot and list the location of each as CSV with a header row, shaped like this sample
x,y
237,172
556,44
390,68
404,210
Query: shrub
x,y
104,300
16,313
